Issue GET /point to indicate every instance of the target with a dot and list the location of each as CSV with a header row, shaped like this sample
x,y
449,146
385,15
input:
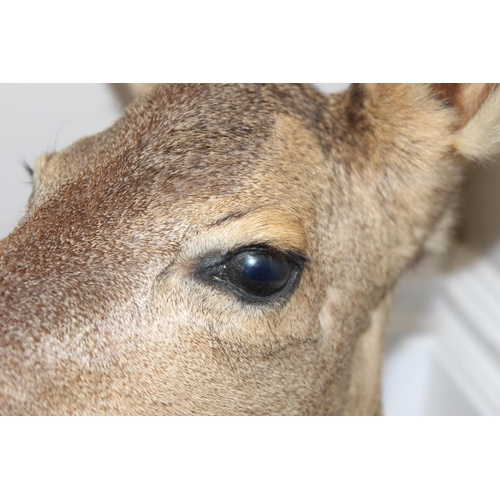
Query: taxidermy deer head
x,y
231,249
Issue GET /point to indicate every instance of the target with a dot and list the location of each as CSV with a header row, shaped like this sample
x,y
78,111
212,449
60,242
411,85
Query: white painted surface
x,y
443,344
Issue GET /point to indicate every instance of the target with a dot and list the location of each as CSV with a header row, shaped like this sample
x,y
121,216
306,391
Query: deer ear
x,y
478,112
127,92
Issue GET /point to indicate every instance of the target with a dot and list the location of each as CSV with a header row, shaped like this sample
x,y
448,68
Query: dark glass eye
x,y
258,272
254,274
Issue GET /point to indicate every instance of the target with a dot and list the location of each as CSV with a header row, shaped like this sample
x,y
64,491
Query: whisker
x,y
29,169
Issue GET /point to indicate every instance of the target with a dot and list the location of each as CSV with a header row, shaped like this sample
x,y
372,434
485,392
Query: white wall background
x,y
425,372
36,118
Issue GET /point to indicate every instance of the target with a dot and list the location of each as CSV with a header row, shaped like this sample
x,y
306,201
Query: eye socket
x,y
254,274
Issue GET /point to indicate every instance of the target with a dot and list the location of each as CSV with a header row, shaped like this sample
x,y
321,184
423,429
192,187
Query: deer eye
x,y
255,274
258,272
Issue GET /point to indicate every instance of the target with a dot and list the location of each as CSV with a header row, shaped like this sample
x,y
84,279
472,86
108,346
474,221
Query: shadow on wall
x,y
480,220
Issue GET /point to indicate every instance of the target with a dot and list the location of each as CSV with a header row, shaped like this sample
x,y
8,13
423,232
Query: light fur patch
x,y
364,390
272,227
40,164
480,138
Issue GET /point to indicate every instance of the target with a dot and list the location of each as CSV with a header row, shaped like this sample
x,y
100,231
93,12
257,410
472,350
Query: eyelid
x,y
269,227
292,255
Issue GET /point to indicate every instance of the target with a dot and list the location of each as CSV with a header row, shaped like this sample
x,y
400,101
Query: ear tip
x,y
479,139
128,92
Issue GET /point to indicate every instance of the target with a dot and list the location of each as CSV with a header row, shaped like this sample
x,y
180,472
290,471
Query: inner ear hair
x,y
466,98
478,109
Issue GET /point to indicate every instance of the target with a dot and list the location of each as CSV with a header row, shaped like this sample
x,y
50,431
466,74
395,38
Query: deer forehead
x,y
185,178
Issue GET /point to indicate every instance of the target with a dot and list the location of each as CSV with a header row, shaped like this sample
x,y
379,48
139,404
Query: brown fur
x,y
101,311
